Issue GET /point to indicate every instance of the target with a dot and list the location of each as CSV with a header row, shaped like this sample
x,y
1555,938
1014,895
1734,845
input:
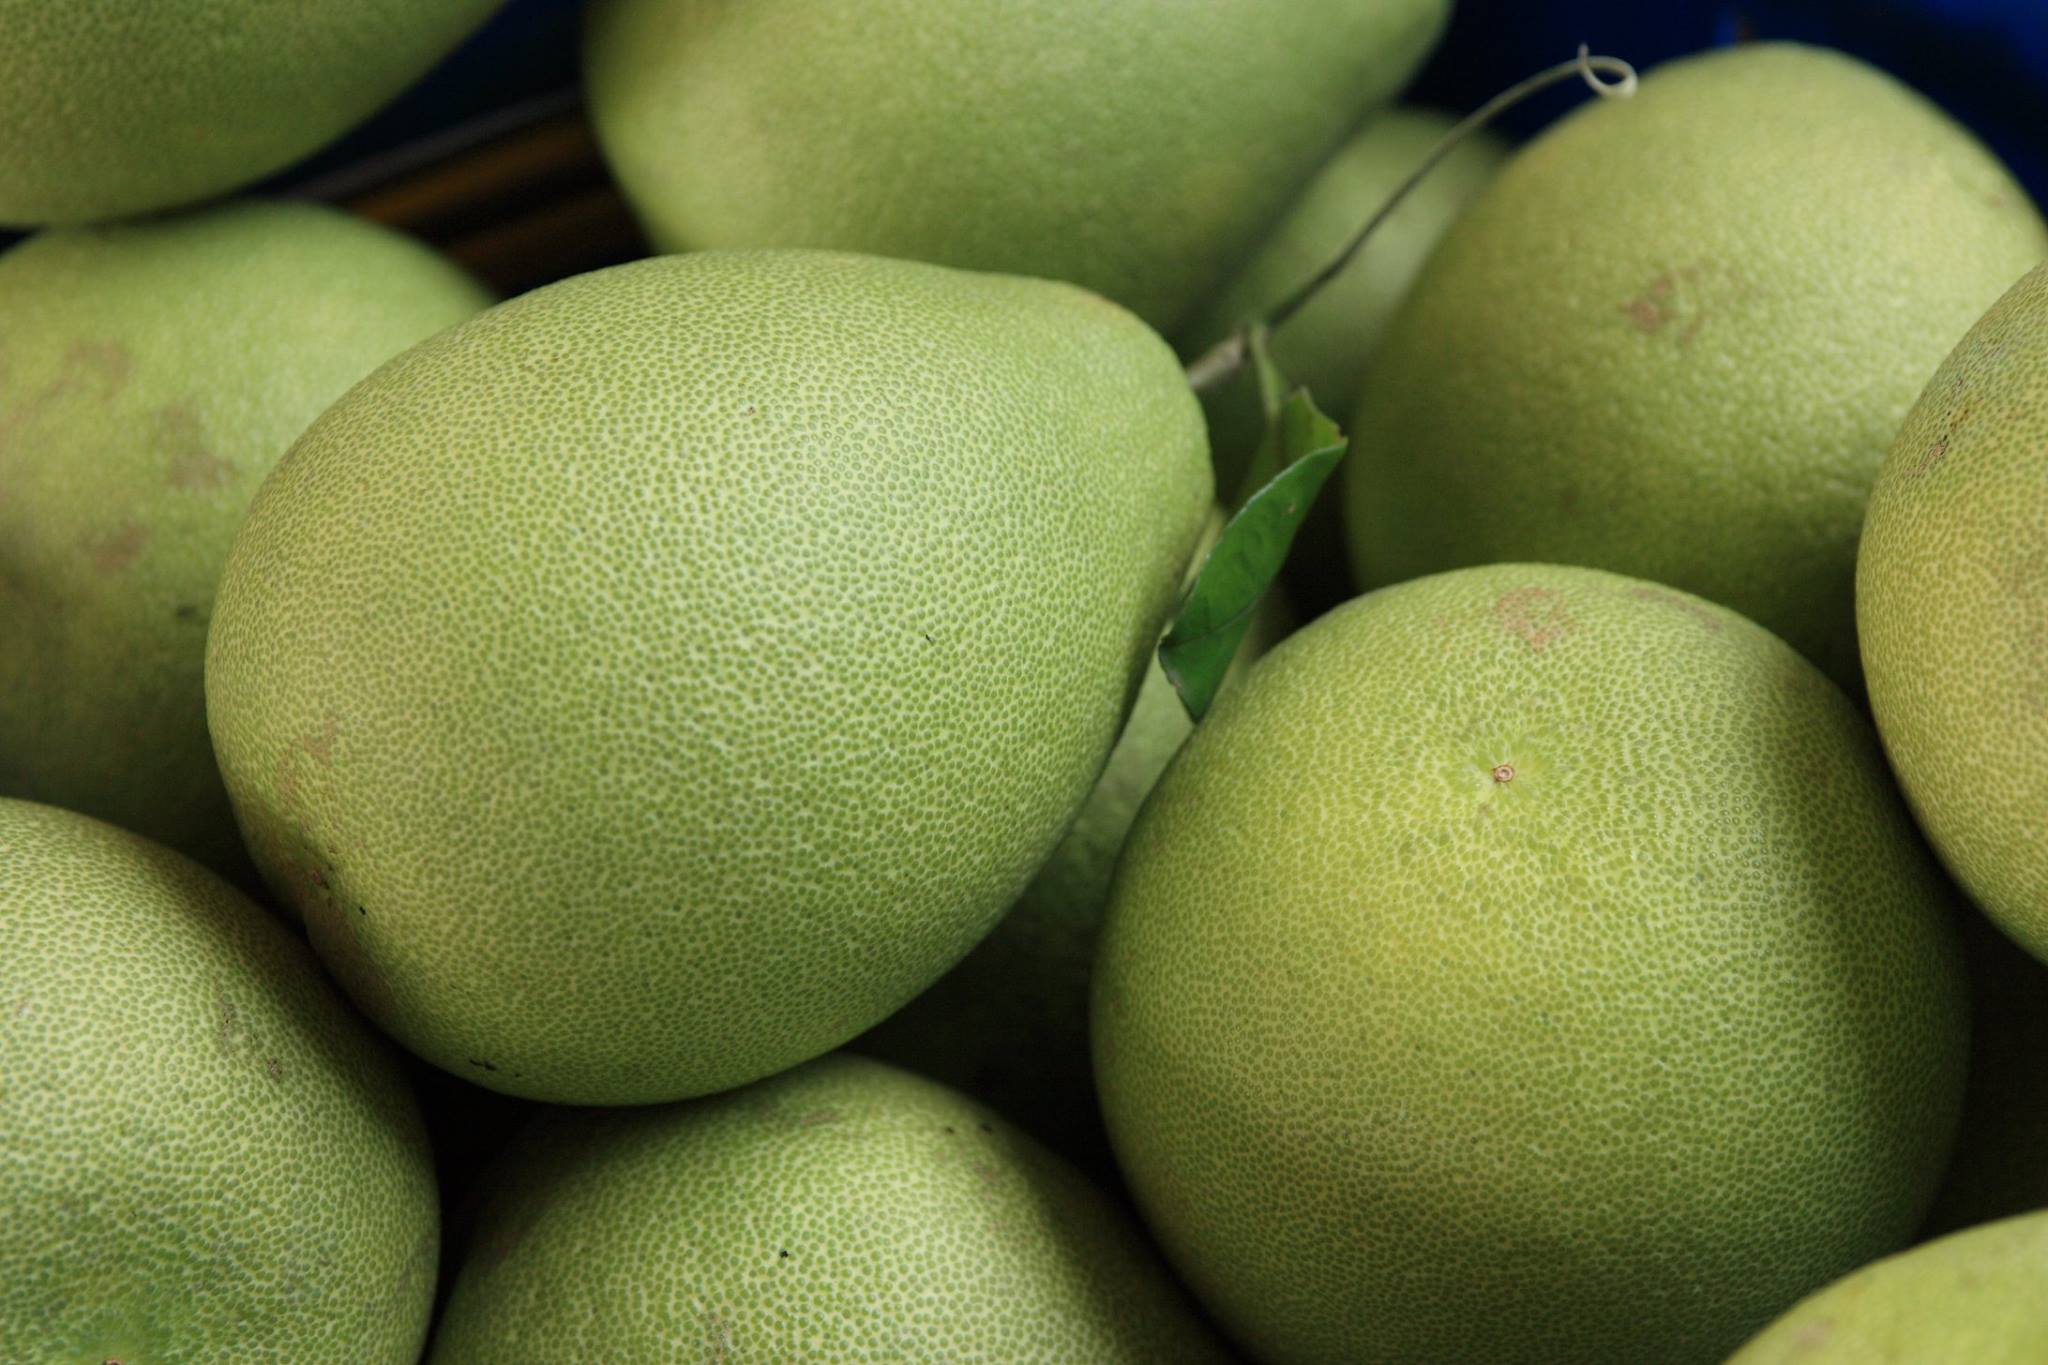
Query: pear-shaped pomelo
x,y
1971,1298
1137,148
150,375
1952,603
1676,335
1527,964
663,677
1009,1024
110,108
1328,343
844,1212
204,1154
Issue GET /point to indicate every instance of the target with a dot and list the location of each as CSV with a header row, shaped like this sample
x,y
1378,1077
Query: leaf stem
x,y
1608,77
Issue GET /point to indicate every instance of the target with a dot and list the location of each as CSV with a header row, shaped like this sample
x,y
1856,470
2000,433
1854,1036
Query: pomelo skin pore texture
x,y
110,108
150,375
1527,964
844,1211
1951,591
205,1155
1970,1298
1137,148
658,680
1009,1024
1677,333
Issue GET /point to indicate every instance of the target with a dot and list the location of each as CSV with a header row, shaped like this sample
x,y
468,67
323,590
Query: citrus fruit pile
x,y
649,820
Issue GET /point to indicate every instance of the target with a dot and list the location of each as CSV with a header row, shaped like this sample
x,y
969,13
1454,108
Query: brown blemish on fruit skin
x,y
321,746
1933,456
104,364
719,1343
109,362
113,551
287,784
230,1030
1536,616
1695,610
1957,415
1813,1335
1645,312
1675,297
1504,773
192,467
1653,310
308,881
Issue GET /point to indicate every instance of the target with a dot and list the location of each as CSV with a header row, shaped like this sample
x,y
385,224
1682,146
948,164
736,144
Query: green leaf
x,y
1300,451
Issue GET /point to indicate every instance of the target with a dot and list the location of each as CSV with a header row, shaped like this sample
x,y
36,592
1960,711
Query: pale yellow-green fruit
x,y
1972,1298
1527,964
110,108
1137,148
205,1155
844,1212
1329,342
1676,335
1009,1024
660,679
150,376
1952,584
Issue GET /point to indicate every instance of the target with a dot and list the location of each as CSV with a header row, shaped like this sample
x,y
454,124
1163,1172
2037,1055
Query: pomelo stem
x,y
1609,78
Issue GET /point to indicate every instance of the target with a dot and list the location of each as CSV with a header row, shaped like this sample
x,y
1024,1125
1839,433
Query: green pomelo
x,y
843,1212
1327,344
1009,1025
1527,964
1674,340
1137,148
662,678
150,376
2000,1166
1952,603
110,108
1973,1298
207,1156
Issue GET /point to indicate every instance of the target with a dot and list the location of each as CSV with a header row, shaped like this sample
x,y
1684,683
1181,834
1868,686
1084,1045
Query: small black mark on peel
x,y
185,611
230,1031
480,1062
1504,773
782,1253
987,1128
928,638
361,911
